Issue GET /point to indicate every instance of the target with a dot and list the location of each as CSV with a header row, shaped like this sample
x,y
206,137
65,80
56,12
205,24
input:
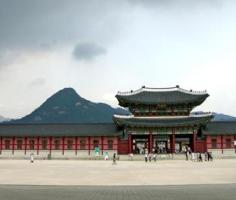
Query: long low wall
x,y
223,153
84,155
55,154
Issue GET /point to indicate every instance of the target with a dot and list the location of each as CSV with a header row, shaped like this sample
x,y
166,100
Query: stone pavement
x,y
183,192
73,172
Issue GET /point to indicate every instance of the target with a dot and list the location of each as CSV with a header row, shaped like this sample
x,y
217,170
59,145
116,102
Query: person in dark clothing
x,y
210,157
200,157
150,157
186,152
114,159
146,157
206,156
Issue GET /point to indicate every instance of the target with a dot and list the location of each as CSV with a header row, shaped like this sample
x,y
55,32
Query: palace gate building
x,y
160,120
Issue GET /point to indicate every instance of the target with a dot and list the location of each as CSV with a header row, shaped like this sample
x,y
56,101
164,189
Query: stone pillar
x,y
130,143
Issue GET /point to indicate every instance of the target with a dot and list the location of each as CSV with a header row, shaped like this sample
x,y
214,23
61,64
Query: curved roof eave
x,y
154,96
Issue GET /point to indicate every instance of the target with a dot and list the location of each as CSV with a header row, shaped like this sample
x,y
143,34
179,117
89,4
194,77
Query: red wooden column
x,y
63,145
37,145
194,138
89,144
0,145
76,145
172,141
130,143
13,145
150,142
25,144
50,145
222,144
102,148
234,144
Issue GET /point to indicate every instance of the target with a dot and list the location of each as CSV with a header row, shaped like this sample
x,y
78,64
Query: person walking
x,y
200,157
210,157
192,156
114,159
150,157
154,157
146,157
32,157
186,153
106,156
206,156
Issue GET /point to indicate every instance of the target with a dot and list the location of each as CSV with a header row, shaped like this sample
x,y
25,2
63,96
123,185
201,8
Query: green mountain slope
x,y
66,106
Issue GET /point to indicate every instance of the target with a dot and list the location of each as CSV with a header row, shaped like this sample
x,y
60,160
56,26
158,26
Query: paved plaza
x,y
193,192
97,173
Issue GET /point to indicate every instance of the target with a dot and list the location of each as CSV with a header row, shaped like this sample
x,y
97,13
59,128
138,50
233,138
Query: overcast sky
x,y
101,47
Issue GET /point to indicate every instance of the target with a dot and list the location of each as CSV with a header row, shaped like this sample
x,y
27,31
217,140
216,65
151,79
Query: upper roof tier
x,y
166,96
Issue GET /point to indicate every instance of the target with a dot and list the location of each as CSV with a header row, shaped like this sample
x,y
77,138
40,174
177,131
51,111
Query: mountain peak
x,y
66,106
67,91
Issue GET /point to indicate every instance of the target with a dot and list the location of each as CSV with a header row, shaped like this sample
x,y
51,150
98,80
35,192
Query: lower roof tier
x,y
165,121
99,129
59,129
220,128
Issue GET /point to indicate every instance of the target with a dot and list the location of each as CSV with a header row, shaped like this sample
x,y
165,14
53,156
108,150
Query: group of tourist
x,y
150,156
190,155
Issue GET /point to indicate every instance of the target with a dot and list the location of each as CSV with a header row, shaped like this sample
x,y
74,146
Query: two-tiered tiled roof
x,y
165,97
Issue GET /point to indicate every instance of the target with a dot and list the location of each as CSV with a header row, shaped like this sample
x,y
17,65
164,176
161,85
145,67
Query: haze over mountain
x,y
2,119
223,117
219,116
66,106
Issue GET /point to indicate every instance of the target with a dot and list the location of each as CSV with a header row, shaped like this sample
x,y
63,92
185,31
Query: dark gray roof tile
x,y
220,128
155,96
98,129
